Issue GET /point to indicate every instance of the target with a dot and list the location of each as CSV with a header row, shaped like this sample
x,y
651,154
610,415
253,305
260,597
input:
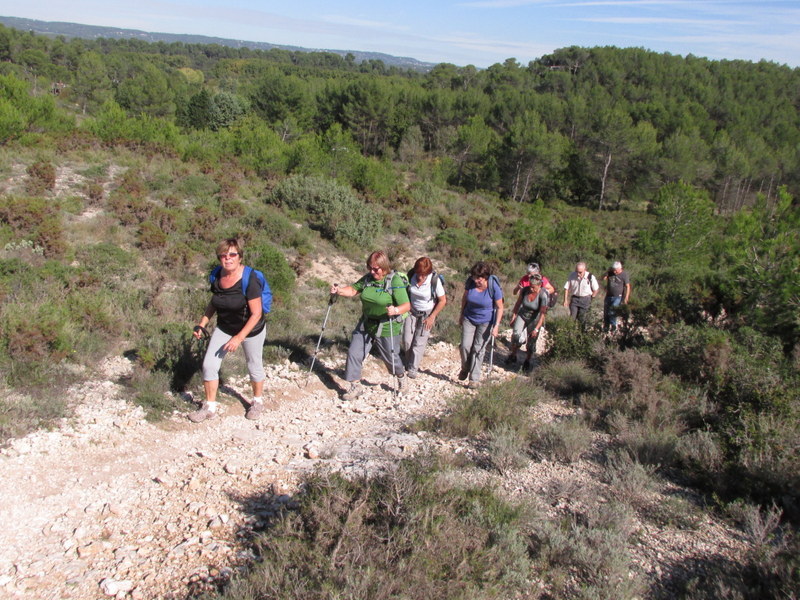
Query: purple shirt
x,y
480,304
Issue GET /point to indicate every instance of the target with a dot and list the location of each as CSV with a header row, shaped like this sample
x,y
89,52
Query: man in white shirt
x,y
426,304
579,289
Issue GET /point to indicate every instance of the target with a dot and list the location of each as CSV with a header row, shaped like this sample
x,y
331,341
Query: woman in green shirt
x,y
382,301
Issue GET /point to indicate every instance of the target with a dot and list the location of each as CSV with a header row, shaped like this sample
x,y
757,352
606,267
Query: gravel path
x,y
109,505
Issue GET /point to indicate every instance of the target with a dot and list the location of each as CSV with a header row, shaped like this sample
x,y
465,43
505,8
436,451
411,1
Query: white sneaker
x,y
202,414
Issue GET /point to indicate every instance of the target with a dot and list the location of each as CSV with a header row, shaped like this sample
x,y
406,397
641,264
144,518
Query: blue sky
x,y
478,32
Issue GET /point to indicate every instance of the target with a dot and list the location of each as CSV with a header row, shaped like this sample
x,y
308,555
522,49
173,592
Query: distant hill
x,y
56,28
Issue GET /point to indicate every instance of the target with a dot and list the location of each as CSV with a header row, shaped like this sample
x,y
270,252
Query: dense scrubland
x,y
123,163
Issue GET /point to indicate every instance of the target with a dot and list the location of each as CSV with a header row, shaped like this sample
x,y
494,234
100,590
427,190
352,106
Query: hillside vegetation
x,y
123,164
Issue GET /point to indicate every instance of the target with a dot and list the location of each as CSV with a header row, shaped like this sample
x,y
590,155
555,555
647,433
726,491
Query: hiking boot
x,y
202,414
473,385
254,411
512,359
401,383
411,374
526,366
463,374
354,391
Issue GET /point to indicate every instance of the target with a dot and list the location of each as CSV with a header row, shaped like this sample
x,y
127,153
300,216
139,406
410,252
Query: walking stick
x,y
395,390
331,300
491,348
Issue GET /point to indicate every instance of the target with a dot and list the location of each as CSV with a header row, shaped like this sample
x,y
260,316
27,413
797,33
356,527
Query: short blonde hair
x,y
225,245
380,259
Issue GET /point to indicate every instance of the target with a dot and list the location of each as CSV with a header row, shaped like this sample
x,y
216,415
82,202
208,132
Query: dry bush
x,y
506,448
132,184
631,481
37,220
700,450
569,378
648,442
130,210
41,178
564,440
94,191
586,556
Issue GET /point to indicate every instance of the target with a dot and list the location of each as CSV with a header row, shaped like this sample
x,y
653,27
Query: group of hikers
x,y
399,312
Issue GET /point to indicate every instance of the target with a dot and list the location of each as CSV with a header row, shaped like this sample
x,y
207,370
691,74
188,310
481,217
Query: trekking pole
x,y
331,300
395,390
491,348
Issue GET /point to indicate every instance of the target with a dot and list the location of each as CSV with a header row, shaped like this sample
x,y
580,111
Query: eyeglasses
x,y
375,269
228,255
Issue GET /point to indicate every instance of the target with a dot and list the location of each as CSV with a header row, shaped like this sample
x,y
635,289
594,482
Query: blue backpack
x,y
266,293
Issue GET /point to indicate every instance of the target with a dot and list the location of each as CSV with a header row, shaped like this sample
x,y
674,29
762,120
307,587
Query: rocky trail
x,y
110,505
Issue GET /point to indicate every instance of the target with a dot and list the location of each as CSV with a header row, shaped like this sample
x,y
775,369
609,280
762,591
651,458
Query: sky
x,y
462,32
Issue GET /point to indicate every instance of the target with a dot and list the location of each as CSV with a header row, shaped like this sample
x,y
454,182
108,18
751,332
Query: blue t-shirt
x,y
479,304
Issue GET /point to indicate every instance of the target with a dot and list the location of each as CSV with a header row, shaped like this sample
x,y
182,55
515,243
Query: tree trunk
x,y
603,181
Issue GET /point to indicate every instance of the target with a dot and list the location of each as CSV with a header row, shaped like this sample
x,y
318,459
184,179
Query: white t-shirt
x,y
420,295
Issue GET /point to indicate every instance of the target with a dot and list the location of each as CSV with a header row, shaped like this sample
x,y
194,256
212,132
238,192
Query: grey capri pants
x,y
253,351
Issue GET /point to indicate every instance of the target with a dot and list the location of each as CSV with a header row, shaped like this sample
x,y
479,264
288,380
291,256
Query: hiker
x,y
618,291
481,313
527,319
427,297
533,269
240,322
579,289
383,299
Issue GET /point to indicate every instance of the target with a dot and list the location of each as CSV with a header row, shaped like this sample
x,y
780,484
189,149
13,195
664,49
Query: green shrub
x,y
568,340
270,261
698,354
172,351
404,534
272,225
197,186
632,386
494,406
151,391
105,262
457,244
332,208
151,237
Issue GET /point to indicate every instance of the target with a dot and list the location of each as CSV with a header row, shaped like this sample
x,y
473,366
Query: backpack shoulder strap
x,y
248,271
492,280
214,275
388,280
435,278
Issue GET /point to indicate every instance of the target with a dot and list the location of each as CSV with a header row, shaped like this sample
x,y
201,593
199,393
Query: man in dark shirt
x,y
618,291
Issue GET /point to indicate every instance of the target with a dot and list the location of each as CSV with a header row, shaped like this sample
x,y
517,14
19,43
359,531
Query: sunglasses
x,y
228,255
